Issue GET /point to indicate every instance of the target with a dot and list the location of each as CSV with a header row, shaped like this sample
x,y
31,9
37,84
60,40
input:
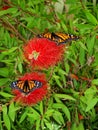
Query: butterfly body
x,y
26,86
59,38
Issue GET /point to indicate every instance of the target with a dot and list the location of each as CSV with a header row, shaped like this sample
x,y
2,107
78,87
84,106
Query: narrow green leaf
x,y
35,113
57,80
1,57
82,56
33,117
7,121
83,46
4,109
10,10
64,109
23,116
64,96
85,26
9,51
48,124
67,112
49,112
8,61
91,104
23,4
91,91
3,81
67,67
63,25
90,44
74,127
4,72
95,81
20,67
91,18
12,111
41,107
6,95
58,117
61,71
6,118
38,124
1,126
81,126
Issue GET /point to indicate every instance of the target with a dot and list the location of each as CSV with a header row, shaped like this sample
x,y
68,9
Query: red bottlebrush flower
x,y
73,76
5,7
42,52
34,96
97,37
80,116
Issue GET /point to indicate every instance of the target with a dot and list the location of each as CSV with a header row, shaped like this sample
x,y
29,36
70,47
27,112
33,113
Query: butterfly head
x,y
40,36
14,84
74,37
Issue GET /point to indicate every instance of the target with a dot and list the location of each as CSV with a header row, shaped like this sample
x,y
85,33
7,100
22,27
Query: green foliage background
x,y
72,103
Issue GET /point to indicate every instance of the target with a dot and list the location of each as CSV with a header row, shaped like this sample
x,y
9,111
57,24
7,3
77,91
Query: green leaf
x,y
3,81
91,104
58,117
81,126
82,56
83,46
67,67
64,96
49,112
38,124
11,112
1,57
1,127
74,127
64,109
91,18
32,117
91,91
78,126
61,71
9,51
35,114
90,44
10,10
9,62
20,67
23,116
4,109
4,72
23,4
6,95
48,124
57,80
85,26
6,117
63,25
95,81
41,107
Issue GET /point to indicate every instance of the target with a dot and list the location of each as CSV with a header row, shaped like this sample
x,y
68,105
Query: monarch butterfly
x,y
59,38
26,86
